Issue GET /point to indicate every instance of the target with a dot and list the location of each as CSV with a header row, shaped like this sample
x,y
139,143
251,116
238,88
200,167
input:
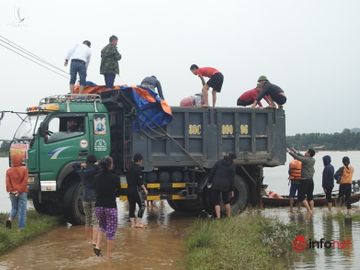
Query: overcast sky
x,y
310,48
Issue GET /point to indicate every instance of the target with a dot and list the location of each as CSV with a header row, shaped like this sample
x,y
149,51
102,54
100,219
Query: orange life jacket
x,y
347,175
295,170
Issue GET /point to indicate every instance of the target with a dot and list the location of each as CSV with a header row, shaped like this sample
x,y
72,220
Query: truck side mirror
x,y
43,130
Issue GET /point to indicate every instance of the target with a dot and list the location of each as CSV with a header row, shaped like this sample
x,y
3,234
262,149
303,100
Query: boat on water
x,y
319,200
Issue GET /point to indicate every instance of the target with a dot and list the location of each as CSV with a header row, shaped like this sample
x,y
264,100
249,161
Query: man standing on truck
x,y
275,93
222,178
306,187
80,58
152,82
215,82
109,62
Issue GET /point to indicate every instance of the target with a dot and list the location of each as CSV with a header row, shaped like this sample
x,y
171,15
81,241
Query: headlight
x,y
31,179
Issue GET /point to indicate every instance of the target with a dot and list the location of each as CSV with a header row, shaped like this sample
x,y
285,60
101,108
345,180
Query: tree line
x,y
348,139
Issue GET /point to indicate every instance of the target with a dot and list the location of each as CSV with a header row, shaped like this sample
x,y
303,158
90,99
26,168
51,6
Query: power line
x,y
29,53
28,58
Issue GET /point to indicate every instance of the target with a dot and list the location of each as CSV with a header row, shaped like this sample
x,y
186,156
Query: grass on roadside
x,y
247,241
36,225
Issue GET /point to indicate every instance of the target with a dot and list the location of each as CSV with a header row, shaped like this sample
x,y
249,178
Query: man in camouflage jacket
x,y
109,62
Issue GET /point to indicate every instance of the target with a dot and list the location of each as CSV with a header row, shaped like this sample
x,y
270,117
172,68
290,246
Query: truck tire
x,y
73,208
241,195
46,207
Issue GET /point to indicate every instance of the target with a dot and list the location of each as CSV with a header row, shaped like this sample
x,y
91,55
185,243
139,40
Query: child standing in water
x,y
346,175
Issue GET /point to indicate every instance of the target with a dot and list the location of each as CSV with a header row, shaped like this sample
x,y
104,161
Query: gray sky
x,y
310,48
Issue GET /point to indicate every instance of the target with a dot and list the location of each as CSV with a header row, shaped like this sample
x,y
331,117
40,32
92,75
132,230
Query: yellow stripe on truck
x,y
156,185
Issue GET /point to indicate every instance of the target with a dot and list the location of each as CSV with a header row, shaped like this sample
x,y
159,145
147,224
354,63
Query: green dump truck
x,y
64,129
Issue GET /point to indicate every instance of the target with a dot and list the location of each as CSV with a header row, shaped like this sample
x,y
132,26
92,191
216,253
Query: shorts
x,y
294,189
90,217
217,195
241,102
279,99
306,189
107,221
216,82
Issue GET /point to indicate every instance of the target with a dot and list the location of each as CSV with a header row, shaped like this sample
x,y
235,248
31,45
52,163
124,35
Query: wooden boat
x,y
319,200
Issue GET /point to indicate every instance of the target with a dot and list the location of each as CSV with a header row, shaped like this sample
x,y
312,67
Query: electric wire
x,y
29,53
32,60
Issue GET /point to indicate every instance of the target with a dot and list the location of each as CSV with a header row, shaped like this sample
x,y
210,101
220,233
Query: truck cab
x,y
58,133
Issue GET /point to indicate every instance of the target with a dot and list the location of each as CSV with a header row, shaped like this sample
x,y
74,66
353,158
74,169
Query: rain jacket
x,y
17,176
328,173
109,59
222,175
87,176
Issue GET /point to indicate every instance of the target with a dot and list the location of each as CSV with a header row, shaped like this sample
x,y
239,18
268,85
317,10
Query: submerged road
x,y
159,246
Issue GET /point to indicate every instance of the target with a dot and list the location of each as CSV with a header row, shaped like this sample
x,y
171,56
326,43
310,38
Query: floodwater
x,y
160,245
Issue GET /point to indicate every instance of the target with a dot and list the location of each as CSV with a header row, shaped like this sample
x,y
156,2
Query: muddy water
x,y
324,225
159,246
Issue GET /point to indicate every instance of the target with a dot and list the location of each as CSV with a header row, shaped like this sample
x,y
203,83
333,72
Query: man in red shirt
x,y
215,82
249,96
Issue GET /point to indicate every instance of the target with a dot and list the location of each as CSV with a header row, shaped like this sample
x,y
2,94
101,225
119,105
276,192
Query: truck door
x,y
99,134
66,140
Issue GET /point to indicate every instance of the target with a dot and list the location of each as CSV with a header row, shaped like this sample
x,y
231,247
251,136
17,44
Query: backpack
x,y
338,174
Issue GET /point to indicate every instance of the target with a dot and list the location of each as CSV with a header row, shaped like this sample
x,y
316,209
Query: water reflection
x,y
329,227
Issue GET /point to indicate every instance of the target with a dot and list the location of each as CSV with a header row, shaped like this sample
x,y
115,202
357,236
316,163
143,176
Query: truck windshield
x,y
27,128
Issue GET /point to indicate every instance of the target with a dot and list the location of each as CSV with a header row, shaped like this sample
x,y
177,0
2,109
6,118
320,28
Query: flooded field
x,y
159,246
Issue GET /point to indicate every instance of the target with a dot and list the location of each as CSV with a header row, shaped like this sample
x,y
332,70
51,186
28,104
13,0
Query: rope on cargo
x,y
165,134
30,56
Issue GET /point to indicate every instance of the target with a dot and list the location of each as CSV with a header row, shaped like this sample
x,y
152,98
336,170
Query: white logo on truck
x,y
100,145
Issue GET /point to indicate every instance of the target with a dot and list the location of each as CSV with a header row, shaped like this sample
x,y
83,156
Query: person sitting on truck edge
x,y
107,186
345,176
328,179
109,62
215,82
294,178
16,185
306,187
80,58
135,191
222,177
249,96
152,82
275,93
87,172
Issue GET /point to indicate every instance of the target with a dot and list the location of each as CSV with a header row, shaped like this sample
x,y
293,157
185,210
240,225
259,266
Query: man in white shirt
x,y
80,57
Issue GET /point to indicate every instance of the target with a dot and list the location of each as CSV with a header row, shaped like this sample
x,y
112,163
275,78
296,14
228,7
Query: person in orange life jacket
x,y
248,97
306,188
16,185
345,175
294,178
275,93
222,177
215,82
328,179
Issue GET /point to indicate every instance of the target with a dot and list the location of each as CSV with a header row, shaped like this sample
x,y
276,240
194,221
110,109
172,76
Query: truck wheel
x,y
241,195
73,208
47,207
